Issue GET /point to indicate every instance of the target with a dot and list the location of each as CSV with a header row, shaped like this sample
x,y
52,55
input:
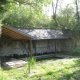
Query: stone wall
x,y
10,47
49,45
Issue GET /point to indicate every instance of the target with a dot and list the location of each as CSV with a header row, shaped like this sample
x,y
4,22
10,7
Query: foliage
x,y
22,16
28,13
23,13
2,5
30,65
32,62
66,18
76,51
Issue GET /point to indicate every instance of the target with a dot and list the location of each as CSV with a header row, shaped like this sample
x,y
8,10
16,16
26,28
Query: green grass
x,y
50,69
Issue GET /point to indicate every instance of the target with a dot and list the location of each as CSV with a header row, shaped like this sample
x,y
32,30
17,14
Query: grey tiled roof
x,y
37,34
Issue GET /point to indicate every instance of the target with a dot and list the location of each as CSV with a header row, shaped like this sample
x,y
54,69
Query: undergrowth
x,y
49,69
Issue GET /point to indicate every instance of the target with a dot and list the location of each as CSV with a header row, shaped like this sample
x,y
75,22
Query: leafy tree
x,y
25,13
3,4
22,16
66,17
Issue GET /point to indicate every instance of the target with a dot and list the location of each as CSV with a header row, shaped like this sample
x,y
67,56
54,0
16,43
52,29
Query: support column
x,y
55,46
30,48
30,55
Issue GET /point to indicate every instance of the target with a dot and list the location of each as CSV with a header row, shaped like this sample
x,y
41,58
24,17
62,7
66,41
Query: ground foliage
x,y
50,69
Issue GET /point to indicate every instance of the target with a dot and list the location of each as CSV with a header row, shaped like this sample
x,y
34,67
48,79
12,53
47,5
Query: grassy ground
x,y
50,69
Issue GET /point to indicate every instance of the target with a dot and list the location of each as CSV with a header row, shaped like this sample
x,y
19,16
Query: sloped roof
x,y
37,34
13,33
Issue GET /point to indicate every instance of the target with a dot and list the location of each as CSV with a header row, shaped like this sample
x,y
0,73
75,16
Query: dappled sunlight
x,y
70,76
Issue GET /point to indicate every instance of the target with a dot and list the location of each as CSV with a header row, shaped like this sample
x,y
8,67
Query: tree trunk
x,y
77,13
54,11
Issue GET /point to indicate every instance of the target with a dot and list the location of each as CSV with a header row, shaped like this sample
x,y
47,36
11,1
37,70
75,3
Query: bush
x,y
76,51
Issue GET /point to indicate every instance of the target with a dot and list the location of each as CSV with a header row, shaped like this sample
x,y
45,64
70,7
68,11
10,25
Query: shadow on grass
x,y
77,62
73,76
58,75
64,73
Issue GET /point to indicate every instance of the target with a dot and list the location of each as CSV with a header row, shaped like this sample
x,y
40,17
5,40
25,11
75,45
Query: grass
x,y
50,69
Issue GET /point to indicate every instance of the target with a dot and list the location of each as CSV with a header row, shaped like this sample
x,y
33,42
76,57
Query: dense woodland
x,y
29,13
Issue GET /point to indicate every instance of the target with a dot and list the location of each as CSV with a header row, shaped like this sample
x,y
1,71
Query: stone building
x,y
26,41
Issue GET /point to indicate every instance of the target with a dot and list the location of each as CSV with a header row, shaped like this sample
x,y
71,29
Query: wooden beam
x,y
30,48
55,46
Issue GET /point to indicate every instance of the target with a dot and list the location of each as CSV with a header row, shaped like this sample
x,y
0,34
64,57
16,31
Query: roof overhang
x,y
33,34
9,32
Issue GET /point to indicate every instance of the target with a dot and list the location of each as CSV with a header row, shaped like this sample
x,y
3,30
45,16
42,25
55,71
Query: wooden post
x,y
30,55
30,48
55,47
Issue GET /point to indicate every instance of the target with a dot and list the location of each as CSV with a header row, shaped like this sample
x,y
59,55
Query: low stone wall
x,y
9,47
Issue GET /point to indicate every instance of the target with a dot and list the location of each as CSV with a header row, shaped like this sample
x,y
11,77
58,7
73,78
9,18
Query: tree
x,y
66,18
3,3
77,11
25,13
54,7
